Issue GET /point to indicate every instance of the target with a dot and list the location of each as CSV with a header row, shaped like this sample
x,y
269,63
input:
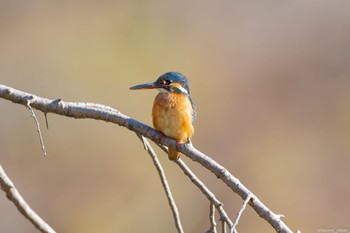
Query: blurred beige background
x,y
271,81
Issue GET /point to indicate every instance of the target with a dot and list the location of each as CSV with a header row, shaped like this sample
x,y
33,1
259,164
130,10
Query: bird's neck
x,y
169,99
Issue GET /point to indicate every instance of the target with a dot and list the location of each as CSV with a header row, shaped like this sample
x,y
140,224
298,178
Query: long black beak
x,y
145,86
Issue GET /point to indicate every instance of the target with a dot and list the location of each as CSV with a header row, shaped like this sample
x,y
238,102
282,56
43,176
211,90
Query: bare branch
x,y
223,227
214,202
46,121
239,214
108,114
164,181
212,228
15,197
236,186
211,197
32,114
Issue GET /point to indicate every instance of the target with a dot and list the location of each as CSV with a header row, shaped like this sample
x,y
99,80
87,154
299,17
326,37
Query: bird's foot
x,y
159,139
179,142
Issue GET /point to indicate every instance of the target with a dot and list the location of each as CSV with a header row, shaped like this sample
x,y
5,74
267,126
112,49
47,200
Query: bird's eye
x,y
166,81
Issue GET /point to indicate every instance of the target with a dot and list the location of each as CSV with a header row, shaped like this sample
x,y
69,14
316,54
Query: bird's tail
x,y
173,154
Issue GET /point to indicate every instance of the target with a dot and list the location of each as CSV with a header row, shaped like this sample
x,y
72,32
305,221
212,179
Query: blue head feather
x,y
174,77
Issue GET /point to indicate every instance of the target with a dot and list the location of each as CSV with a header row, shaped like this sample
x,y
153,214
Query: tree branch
x,y
165,184
212,228
239,214
32,114
101,112
15,197
211,197
214,202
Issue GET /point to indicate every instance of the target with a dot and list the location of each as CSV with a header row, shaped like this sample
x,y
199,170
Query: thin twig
x,y
46,121
164,148
210,196
165,184
212,221
32,114
15,197
239,214
223,227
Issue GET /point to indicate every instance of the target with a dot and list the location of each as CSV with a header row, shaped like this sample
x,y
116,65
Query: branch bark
x,y
212,228
239,214
32,114
210,196
108,114
165,184
205,190
13,195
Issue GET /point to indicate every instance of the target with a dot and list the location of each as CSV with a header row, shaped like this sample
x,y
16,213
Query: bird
x,y
173,112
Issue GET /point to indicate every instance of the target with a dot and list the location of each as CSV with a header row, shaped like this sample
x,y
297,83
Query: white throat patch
x,y
183,90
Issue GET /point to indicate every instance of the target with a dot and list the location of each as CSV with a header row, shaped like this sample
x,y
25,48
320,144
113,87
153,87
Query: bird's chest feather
x,y
172,115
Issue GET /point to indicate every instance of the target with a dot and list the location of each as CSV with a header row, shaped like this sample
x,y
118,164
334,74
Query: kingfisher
x,y
174,112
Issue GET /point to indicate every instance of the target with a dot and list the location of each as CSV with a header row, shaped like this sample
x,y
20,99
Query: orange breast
x,y
172,115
